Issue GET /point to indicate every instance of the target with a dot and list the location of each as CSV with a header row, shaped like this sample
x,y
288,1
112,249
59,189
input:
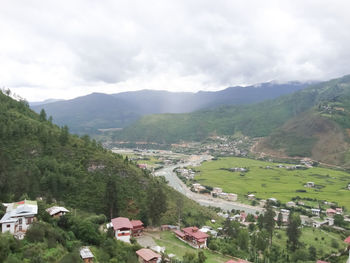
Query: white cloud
x,y
64,49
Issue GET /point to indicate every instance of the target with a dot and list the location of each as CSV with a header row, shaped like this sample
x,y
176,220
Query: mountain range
x,y
88,114
312,122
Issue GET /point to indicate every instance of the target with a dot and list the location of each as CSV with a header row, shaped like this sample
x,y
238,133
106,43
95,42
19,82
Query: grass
x,y
316,237
276,182
173,245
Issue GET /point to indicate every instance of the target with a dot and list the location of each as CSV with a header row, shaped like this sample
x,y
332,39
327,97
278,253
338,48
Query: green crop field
x,y
275,182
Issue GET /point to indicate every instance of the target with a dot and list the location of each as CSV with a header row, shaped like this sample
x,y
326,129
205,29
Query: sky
x,y
64,49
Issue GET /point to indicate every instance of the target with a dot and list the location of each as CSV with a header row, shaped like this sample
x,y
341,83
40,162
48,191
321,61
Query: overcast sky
x,y
63,49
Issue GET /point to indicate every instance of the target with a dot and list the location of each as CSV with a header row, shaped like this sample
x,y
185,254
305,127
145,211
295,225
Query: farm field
x,y
275,182
173,245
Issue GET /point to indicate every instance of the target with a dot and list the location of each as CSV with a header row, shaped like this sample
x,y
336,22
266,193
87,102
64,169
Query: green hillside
x,y
328,101
39,159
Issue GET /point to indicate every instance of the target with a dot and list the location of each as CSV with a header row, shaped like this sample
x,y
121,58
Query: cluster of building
x,y
217,192
20,215
187,173
192,236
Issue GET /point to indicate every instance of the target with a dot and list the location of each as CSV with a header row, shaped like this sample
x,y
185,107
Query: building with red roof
x,y
321,261
137,228
347,241
330,212
193,236
148,256
124,228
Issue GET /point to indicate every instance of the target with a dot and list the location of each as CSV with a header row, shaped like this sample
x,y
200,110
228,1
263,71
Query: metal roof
x,y
56,209
85,252
19,209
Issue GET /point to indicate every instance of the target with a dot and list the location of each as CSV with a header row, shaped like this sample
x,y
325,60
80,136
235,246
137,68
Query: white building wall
x,y
10,229
123,235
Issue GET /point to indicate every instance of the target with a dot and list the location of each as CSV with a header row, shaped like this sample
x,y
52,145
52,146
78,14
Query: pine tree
x,y
42,116
279,219
269,221
293,230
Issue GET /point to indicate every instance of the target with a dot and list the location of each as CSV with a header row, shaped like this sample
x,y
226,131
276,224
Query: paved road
x,y
204,200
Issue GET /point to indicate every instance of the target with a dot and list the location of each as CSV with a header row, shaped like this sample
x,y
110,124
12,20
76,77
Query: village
x,y
21,215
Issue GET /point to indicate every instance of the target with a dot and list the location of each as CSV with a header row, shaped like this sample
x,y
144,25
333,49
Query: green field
x,y
173,245
276,182
315,237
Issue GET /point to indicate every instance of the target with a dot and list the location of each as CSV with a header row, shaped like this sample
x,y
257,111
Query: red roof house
x,y
320,261
122,227
193,236
330,212
147,256
347,240
137,227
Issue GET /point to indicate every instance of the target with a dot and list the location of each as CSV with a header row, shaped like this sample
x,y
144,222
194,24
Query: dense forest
x,y
41,160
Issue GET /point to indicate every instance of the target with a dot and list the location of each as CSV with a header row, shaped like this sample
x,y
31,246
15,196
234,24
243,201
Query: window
x,y
8,226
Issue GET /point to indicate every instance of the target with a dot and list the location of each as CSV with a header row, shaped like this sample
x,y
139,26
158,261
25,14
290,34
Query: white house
x,y
310,184
251,197
123,228
217,190
18,217
291,204
315,212
232,197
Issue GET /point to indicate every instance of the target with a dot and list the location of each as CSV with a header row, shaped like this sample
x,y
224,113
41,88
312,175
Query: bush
x,y
36,233
334,243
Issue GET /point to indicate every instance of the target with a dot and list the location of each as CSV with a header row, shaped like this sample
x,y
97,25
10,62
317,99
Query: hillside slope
x,y
328,104
87,114
39,159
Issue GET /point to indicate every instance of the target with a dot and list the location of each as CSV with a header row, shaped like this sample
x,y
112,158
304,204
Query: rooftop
x,y
193,231
85,252
56,209
18,209
121,222
147,254
136,223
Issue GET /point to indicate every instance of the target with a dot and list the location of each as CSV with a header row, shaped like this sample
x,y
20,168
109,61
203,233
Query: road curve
x,y
205,200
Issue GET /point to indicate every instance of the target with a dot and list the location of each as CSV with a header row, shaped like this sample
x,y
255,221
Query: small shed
x,y
86,255
148,256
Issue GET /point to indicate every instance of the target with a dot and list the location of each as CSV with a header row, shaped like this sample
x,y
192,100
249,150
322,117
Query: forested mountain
x,y
39,159
87,114
310,115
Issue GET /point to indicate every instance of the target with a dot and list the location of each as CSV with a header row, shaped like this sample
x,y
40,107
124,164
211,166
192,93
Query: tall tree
x,y
293,230
269,221
111,197
156,202
64,136
279,219
42,116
